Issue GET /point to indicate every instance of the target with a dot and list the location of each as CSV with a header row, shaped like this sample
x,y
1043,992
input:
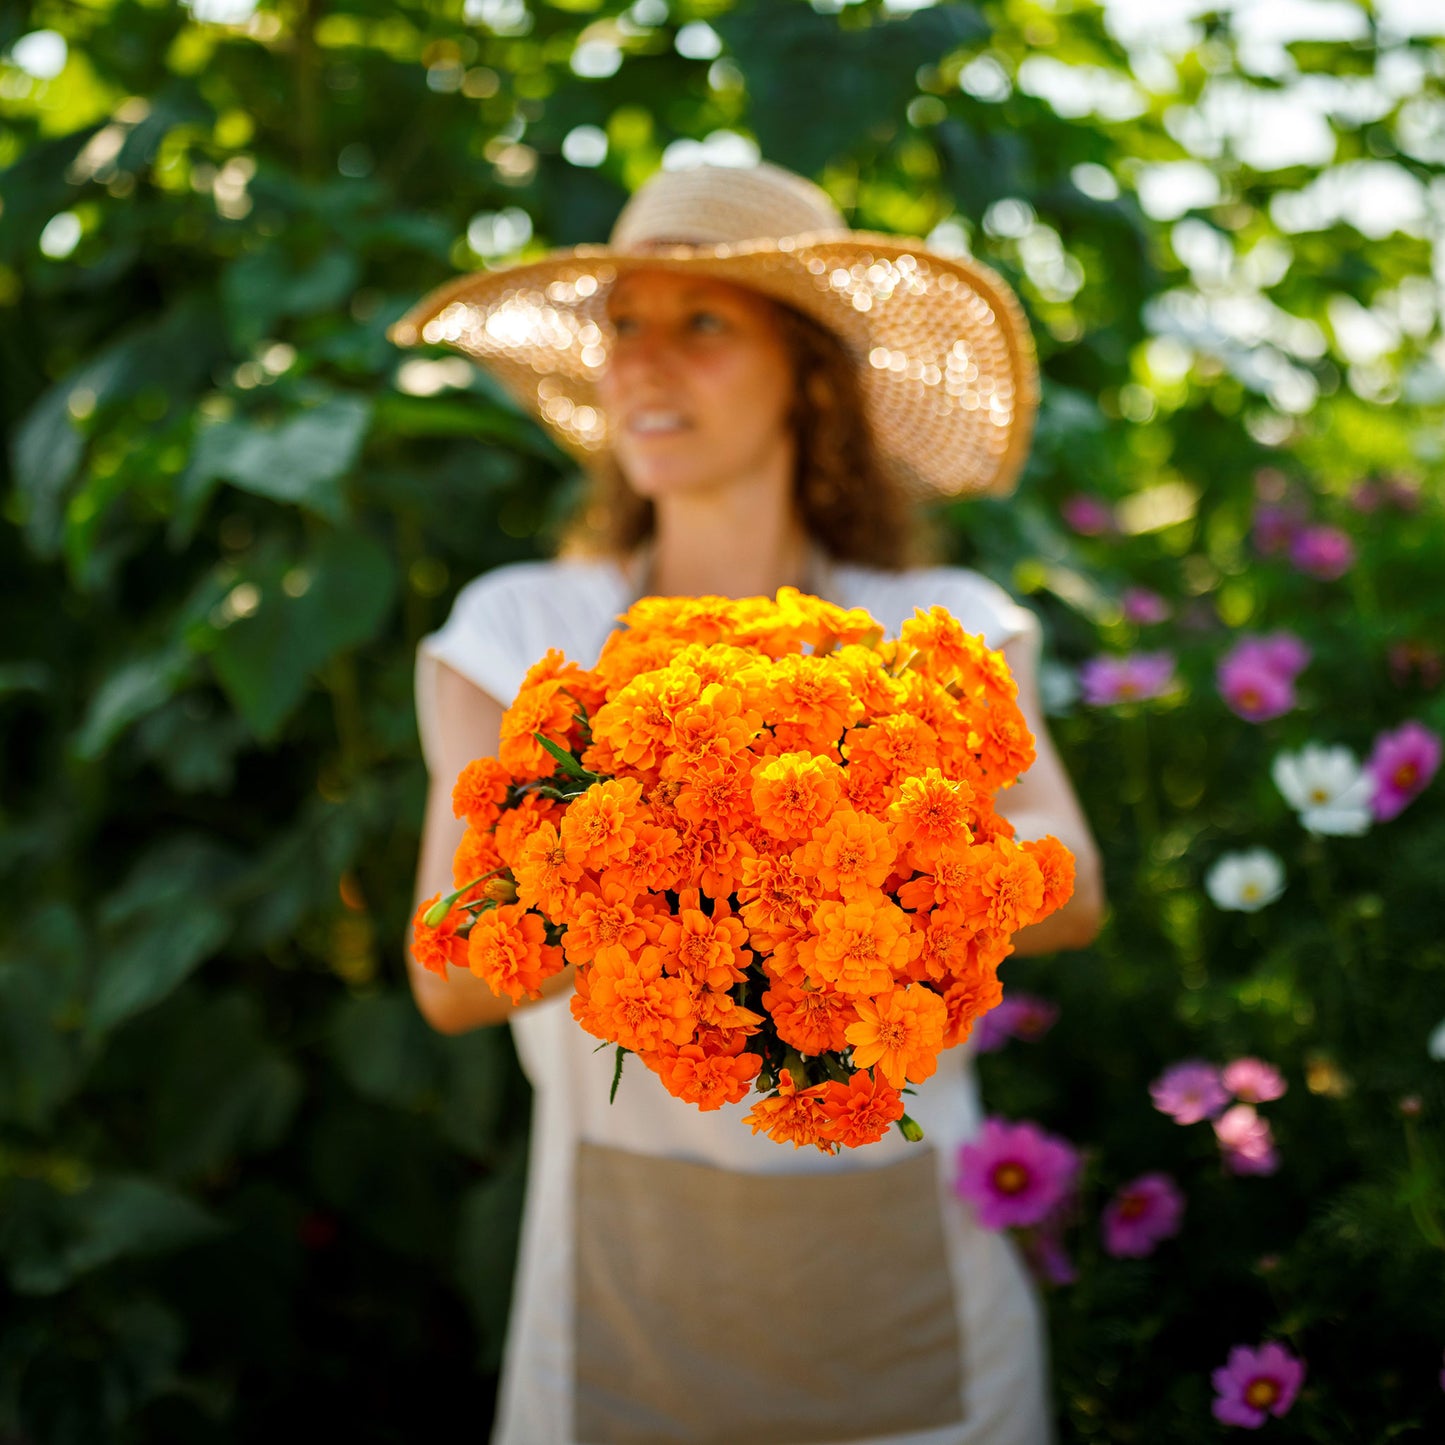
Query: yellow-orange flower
x,y
931,813
601,825
944,649
860,1111
1056,864
633,730
716,726
608,926
508,951
711,949
858,945
435,948
793,1116
811,1020
1004,889
850,855
901,1032
542,708
547,871
967,1000
479,792
709,1074
639,1012
794,793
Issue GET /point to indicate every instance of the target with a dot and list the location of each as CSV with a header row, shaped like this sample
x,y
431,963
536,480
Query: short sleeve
x,y
484,639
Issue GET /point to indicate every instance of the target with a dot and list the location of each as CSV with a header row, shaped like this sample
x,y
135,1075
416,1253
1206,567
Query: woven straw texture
x,y
946,361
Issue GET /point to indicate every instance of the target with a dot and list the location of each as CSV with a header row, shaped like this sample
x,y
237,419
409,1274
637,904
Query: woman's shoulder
x,y
979,603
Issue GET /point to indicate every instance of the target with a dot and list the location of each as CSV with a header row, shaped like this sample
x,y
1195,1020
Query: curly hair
x,y
844,498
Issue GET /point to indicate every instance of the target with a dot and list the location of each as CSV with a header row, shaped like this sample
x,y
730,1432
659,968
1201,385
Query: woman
x,y
749,425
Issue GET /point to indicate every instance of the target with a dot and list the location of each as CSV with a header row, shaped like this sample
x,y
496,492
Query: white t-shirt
x,y
984,1363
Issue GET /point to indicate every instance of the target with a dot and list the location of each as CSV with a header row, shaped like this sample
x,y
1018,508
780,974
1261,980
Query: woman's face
x,y
698,386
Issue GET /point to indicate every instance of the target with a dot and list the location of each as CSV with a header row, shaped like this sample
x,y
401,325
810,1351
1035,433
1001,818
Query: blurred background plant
x,y
241,1184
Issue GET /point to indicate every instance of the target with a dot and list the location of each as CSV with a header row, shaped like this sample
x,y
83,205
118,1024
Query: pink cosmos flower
x,y
1253,1081
1143,607
1246,1142
1256,676
1275,527
1088,515
1015,1174
1256,1383
1106,681
1189,1091
1143,1212
1402,763
1020,1016
1326,553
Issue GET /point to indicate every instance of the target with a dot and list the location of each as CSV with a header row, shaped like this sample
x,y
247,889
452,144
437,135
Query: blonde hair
x,y
846,503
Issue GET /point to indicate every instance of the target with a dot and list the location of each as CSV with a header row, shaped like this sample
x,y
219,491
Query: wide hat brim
x,y
945,358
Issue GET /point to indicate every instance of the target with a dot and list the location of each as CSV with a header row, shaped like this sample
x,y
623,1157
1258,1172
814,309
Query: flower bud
x,y
436,915
911,1128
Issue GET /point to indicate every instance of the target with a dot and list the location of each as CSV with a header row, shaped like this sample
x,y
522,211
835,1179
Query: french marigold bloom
x,y
508,951
945,945
850,855
601,825
633,730
435,948
794,793
1005,887
711,858
650,864
1056,865
1007,744
860,1111
627,655
793,1116
944,649
776,901
717,793
642,1014
547,871
585,689
815,700
869,681
811,1020
715,727
859,945
710,949
708,1075
967,1000
609,927
901,1032
931,813
542,708
518,824
479,792
476,855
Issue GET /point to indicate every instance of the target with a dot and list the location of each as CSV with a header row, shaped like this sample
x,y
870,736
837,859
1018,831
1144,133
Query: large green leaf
x,y
263,286
135,689
48,1238
333,598
303,460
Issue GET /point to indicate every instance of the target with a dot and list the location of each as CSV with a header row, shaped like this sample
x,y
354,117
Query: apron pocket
x,y
772,1309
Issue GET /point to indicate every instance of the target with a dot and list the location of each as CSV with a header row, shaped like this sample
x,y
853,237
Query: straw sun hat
x,y
944,354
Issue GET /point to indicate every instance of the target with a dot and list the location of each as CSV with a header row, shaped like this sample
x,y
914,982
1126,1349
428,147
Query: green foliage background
x,y
241,1185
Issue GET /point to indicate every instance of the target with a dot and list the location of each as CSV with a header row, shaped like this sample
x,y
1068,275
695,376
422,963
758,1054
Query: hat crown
x,y
712,205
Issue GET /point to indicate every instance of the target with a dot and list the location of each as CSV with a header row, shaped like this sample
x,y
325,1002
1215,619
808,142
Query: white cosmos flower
x,y
1327,787
1246,881
1436,1044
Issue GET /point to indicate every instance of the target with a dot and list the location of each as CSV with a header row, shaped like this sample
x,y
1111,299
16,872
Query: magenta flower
x,y
1402,763
1253,1081
1256,1383
1189,1091
1106,681
1088,515
1143,607
1275,527
1051,1262
1326,553
1256,676
1015,1174
1143,1212
1246,1142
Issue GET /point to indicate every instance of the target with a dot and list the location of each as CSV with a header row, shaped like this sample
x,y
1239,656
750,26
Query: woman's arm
x,y
469,723
1042,802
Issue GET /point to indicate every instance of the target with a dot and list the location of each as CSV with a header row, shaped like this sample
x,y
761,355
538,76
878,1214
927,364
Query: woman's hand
x,y
469,723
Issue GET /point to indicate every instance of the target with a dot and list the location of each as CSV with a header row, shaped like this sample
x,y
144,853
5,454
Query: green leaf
x,y
132,691
385,1051
565,760
335,598
48,1239
302,461
262,287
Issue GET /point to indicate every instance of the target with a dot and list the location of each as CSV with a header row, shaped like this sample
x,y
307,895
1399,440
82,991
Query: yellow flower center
x,y
1010,1178
1261,1393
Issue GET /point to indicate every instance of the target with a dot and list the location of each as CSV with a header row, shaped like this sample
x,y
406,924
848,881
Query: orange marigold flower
x,y
711,949
901,1032
518,824
792,1116
859,947
1004,889
709,1074
716,726
435,948
710,858
633,730
609,926
476,855
776,901
811,1020
945,944
1007,744
508,951
794,793
651,863
546,871
881,694
1056,863
627,655
896,747
967,1000
639,1012
542,708
585,688
601,824
931,813
944,649
479,792
815,699
860,1111
716,793
689,619
850,855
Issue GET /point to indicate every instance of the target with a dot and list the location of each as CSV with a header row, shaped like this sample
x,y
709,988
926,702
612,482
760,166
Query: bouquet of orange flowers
x,y
765,838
